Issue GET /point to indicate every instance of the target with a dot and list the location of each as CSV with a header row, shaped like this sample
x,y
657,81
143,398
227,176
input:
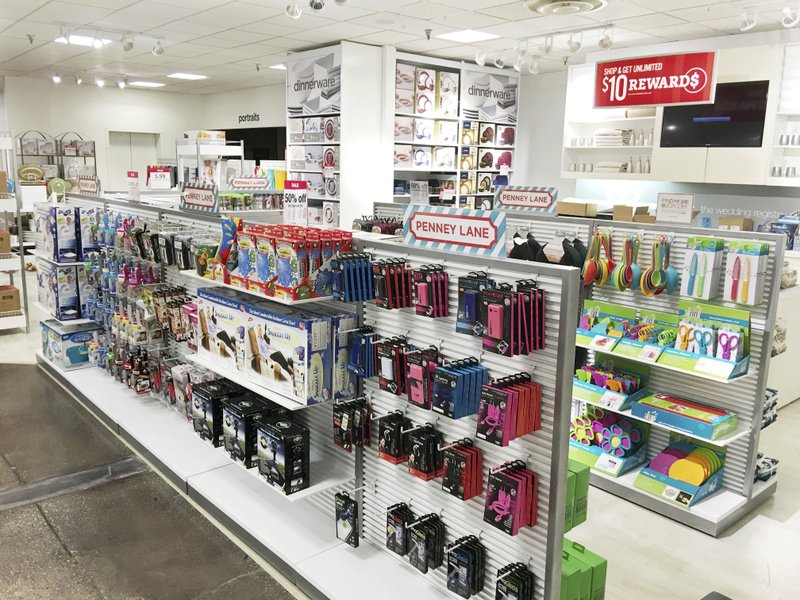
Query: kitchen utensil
x,y
672,272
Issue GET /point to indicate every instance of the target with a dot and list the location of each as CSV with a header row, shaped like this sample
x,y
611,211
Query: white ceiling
x,y
225,39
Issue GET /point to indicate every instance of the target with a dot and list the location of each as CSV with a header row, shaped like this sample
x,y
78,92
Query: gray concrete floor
x,y
131,537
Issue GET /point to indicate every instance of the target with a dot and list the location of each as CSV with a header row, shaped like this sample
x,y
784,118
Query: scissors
x,y
684,335
729,343
667,337
703,340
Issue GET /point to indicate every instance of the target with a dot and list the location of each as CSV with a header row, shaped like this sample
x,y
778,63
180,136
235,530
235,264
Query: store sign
x,y
133,186
314,85
675,208
249,118
295,202
539,199
200,197
489,97
420,192
656,80
89,186
249,183
476,232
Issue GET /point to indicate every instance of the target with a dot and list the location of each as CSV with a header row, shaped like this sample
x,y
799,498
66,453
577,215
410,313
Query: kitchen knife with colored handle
x,y
692,275
745,278
735,274
701,276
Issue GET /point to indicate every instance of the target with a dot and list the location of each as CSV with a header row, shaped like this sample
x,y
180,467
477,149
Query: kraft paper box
x,y
5,241
575,208
627,213
9,298
736,224
3,182
203,134
68,345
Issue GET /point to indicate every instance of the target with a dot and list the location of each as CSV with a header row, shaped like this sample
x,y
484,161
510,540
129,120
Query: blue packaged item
x,y
67,346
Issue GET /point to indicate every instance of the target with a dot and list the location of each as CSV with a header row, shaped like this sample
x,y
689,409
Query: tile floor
x,y
128,546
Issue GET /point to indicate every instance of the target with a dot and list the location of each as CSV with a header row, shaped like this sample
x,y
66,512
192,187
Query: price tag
x,y
504,170
611,400
715,368
649,353
671,493
609,464
447,194
602,343
420,192
133,186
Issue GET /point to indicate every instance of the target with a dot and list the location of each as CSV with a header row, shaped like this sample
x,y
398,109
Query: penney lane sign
x,y
461,230
656,80
539,199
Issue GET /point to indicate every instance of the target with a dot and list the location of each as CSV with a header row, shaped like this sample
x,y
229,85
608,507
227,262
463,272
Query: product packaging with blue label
x,y
469,308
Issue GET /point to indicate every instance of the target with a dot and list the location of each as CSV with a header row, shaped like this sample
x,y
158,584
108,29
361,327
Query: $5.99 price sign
x,y
656,80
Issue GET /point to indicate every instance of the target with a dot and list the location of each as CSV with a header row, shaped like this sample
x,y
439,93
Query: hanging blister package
x,y
466,564
511,498
456,387
346,519
498,315
431,290
393,284
510,407
426,543
392,439
421,366
361,354
398,517
424,456
468,320
515,581
352,277
351,424
462,466
391,359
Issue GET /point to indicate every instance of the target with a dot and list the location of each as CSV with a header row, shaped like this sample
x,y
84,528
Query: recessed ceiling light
x,y
278,67
121,83
147,84
189,76
82,40
99,82
56,78
467,36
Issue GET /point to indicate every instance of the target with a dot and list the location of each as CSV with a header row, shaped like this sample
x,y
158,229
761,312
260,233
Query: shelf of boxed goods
x,y
12,320
750,373
10,264
294,535
62,321
742,428
191,273
56,262
714,514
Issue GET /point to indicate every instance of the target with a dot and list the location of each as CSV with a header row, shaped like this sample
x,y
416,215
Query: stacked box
x,y
207,402
597,564
283,454
239,416
68,345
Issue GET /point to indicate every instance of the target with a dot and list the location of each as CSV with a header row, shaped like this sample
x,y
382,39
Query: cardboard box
x,y
585,570
623,212
68,345
9,298
644,219
598,564
580,508
202,134
736,224
576,208
5,241
3,182
570,504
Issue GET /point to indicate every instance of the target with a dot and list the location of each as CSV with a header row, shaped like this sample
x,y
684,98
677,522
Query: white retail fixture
x,y
12,264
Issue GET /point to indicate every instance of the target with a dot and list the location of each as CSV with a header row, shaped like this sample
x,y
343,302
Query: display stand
x,y
12,264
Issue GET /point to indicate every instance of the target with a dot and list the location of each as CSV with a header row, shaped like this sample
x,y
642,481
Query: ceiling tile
x,y
468,20
189,49
685,31
17,9
195,4
270,28
510,11
707,13
337,31
378,5
645,22
199,29
69,14
425,46
658,5
233,14
426,10
620,9
243,37
386,37
307,21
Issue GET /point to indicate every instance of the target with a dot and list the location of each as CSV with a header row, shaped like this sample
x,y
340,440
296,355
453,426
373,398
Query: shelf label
x,y
295,202
675,208
133,186
609,464
420,192
477,232
159,178
537,199
200,197
656,80
611,400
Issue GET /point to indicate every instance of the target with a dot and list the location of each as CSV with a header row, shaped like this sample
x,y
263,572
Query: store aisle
x,y
127,535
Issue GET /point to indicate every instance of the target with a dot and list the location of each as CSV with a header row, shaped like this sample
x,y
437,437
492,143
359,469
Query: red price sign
x,y
656,80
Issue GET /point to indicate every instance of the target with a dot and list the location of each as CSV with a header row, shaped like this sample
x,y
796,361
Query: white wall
x,y
540,133
223,110
93,112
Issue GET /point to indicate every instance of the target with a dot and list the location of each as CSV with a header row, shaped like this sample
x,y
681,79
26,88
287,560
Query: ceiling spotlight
x,y
533,67
573,45
121,83
480,58
518,63
97,43
293,10
521,48
56,78
547,46
500,61
790,18
99,82
605,41
127,42
78,79
316,4
158,49
746,21
341,2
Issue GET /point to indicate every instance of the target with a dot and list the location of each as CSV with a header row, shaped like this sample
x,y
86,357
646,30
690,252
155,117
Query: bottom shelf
x,y
712,515
12,320
296,537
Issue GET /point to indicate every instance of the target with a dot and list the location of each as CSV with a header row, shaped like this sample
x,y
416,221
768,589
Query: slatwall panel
x,y
744,396
544,451
318,418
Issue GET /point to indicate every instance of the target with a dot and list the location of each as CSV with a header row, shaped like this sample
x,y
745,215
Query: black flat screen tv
x,y
735,120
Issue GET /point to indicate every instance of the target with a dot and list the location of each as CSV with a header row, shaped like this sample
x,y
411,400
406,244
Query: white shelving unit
x,y
10,212
197,150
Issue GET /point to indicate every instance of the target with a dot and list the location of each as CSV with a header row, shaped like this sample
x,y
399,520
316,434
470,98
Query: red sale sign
x,y
656,80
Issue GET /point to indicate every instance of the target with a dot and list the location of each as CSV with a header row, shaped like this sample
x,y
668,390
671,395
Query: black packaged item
x,y
468,320
283,454
166,245
424,456
426,543
515,581
351,423
207,399
391,361
466,563
183,252
392,437
393,284
239,417
346,519
398,518
462,466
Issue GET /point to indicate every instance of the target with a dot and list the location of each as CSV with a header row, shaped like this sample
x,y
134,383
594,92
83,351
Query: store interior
x,y
484,301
